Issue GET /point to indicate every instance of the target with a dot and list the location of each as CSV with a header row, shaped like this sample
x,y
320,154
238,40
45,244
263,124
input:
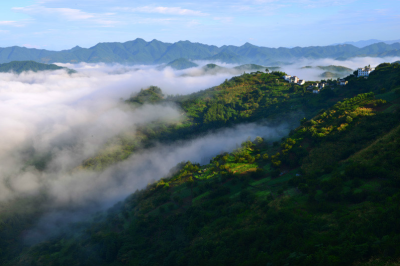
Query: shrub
x,y
275,173
246,197
221,191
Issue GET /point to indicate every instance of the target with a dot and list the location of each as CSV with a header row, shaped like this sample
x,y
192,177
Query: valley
x,y
333,162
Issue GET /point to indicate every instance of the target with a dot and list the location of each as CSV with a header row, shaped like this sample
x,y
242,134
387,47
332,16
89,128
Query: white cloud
x,y
321,3
313,74
69,14
157,21
266,6
7,22
12,23
224,19
193,23
72,116
164,10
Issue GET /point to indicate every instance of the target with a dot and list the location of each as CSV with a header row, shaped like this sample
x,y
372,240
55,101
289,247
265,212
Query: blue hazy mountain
x,y
156,52
363,43
228,57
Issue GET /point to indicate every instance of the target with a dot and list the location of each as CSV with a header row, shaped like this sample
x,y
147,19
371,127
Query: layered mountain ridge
x,y
156,52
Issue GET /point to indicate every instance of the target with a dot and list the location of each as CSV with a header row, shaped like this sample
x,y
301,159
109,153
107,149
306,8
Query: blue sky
x,y
63,24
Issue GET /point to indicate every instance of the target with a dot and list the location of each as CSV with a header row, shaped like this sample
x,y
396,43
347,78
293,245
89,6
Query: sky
x,y
63,24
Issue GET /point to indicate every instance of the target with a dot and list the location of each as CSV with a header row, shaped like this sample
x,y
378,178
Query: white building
x,y
322,85
342,82
287,77
364,72
294,79
301,82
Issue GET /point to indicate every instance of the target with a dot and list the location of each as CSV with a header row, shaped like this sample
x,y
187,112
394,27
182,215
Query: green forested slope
x,y
246,98
251,67
181,63
23,66
263,204
328,194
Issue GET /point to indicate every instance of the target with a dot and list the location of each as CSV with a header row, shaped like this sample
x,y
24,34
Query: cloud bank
x,y
313,74
66,118
75,196
125,79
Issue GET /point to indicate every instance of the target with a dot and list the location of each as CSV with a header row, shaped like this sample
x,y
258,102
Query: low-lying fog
x,y
314,73
71,116
93,191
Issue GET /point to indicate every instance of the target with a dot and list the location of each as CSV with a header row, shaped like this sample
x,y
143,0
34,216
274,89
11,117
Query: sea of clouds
x,y
67,118
314,73
72,116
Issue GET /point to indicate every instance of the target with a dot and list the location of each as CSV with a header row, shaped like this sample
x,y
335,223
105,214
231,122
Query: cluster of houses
x,y
316,87
294,79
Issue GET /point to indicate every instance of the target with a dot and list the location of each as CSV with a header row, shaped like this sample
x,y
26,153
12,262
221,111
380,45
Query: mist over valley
x,y
248,133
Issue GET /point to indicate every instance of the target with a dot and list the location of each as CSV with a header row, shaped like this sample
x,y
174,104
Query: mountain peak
x,y
137,40
247,44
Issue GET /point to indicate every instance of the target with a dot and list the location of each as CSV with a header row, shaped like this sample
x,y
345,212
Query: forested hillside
x,y
23,66
327,194
247,98
181,63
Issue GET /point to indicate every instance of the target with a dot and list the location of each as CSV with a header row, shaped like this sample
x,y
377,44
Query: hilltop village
x,y
317,86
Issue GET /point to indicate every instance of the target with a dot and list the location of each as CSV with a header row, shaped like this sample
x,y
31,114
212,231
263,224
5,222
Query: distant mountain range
x,y
157,52
23,66
361,44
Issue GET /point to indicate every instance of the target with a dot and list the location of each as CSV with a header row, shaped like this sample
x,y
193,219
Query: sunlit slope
x,y
328,194
247,98
316,188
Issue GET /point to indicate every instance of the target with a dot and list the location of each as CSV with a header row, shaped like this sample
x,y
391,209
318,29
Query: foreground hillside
x,y
327,194
247,98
